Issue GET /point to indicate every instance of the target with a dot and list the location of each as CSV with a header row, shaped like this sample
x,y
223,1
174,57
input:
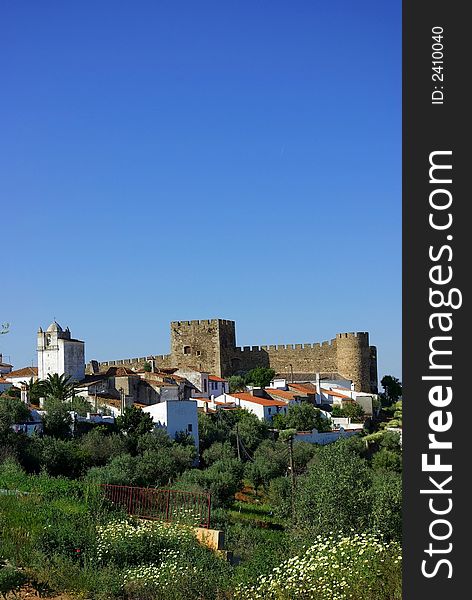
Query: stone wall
x,y
348,354
205,345
210,345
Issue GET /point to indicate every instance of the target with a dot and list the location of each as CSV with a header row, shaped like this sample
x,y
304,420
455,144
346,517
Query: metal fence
x,y
172,506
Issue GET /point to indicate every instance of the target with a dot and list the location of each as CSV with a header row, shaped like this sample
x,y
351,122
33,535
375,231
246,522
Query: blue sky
x,y
174,160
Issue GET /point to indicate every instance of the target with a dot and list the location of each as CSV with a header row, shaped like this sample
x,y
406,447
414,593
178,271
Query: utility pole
x,y
292,471
287,435
237,441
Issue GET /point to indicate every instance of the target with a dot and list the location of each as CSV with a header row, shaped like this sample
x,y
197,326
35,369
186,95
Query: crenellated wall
x,y
210,345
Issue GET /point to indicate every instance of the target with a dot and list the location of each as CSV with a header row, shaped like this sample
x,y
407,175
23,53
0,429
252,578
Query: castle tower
x,y
206,345
354,360
59,353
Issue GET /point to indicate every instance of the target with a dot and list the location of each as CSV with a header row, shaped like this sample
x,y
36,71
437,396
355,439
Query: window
x,y
205,385
187,350
236,364
189,427
270,410
198,353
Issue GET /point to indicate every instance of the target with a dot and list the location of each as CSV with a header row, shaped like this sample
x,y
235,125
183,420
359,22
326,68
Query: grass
x,y
51,535
259,515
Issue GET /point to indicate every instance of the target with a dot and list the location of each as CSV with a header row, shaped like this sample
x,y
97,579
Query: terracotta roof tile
x,y
303,387
24,372
246,397
282,393
334,393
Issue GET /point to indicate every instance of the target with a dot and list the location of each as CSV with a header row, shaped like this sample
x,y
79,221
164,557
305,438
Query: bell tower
x,y
59,353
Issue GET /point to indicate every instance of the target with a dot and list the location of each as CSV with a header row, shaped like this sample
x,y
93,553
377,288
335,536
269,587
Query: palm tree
x,y
58,387
35,389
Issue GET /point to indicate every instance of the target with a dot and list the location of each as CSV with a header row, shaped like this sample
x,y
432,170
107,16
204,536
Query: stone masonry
x,y
210,346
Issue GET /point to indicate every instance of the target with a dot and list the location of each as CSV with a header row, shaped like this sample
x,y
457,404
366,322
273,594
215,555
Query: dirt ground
x,y
28,593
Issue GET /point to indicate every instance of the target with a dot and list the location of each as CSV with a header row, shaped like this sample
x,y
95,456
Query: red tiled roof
x,y
24,372
282,393
246,397
215,378
334,393
301,387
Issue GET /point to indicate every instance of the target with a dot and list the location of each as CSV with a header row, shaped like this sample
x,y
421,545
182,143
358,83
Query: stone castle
x,y
210,346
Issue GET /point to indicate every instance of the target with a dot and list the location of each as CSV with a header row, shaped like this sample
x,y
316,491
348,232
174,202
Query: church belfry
x,y
59,353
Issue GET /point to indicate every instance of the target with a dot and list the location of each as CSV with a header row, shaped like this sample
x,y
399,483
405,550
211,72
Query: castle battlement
x,y
210,345
360,335
197,322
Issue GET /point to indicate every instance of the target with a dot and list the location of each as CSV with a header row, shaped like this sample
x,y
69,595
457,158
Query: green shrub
x,y
280,496
333,568
10,580
222,479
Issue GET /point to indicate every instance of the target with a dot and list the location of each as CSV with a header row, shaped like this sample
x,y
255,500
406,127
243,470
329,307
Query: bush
x,y
257,550
387,505
62,457
222,480
12,410
270,461
10,580
334,568
100,448
302,417
386,460
57,421
133,542
280,496
218,451
152,468
335,492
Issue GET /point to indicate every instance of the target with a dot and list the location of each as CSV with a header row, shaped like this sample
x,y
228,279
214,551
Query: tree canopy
x,y
302,417
392,390
260,376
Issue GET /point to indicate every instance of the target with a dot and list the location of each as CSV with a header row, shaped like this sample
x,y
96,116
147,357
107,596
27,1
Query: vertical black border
x,y
428,128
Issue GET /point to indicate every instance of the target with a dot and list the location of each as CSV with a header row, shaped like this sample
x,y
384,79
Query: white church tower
x,y
59,353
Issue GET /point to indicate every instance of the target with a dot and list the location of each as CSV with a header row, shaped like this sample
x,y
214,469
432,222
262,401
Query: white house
x,y
337,395
333,396
323,438
217,385
288,396
264,408
17,377
175,417
199,379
